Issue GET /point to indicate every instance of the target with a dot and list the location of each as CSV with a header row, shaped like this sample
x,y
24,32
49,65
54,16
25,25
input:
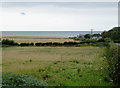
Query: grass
x,y
26,39
58,66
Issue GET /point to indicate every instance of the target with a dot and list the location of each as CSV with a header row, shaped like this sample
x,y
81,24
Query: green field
x,y
58,66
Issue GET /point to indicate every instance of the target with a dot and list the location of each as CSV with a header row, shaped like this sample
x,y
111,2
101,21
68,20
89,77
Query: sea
x,y
48,33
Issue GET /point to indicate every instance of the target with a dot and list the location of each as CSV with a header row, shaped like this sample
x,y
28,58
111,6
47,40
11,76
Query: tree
x,y
113,34
87,36
96,35
9,42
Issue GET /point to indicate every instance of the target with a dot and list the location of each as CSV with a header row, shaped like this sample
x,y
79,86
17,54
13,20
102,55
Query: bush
x,y
10,79
75,38
113,34
89,41
38,44
9,42
87,36
31,44
112,55
24,44
116,41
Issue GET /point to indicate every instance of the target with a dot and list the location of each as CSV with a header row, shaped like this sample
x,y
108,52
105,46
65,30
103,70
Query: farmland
x,y
43,39
58,66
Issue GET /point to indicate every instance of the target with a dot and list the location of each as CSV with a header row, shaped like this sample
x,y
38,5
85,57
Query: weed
x,y
78,70
80,75
46,76
41,70
75,61
30,60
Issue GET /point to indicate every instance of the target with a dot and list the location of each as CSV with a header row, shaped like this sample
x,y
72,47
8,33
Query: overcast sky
x,y
59,16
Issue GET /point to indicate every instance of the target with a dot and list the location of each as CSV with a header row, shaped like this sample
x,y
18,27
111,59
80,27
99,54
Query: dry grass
x,y
42,39
14,58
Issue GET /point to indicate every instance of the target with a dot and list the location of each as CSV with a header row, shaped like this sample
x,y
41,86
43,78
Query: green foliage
x,y
78,70
89,41
32,44
26,44
113,34
112,54
8,42
74,38
75,61
83,42
96,35
87,36
10,79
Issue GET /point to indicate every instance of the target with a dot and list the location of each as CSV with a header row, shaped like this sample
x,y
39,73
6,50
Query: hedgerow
x,y
86,42
112,55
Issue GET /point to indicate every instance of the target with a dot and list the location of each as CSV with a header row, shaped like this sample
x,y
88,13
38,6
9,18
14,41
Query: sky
x,y
58,16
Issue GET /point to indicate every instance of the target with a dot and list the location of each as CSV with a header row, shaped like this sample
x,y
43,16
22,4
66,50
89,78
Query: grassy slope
x,y
68,66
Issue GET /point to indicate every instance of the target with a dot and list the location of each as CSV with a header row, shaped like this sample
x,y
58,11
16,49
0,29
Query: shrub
x,y
31,44
9,42
75,61
56,43
78,70
112,55
87,36
38,44
24,44
89,41
113,34
116,41
10,79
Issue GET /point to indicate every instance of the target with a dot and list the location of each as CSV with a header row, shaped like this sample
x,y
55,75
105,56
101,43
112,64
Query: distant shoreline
x,y
47,33
36,37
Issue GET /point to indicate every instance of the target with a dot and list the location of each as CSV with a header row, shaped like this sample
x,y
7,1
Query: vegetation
x,y
58,66
96,35
87,36
112,55
8,42
26,44
113,34
10,79
35,39
85,42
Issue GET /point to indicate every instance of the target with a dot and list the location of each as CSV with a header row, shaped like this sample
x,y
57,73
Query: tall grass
x,y
57,66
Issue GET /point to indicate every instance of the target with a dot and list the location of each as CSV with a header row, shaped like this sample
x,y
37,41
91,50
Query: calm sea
x,y
46,33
